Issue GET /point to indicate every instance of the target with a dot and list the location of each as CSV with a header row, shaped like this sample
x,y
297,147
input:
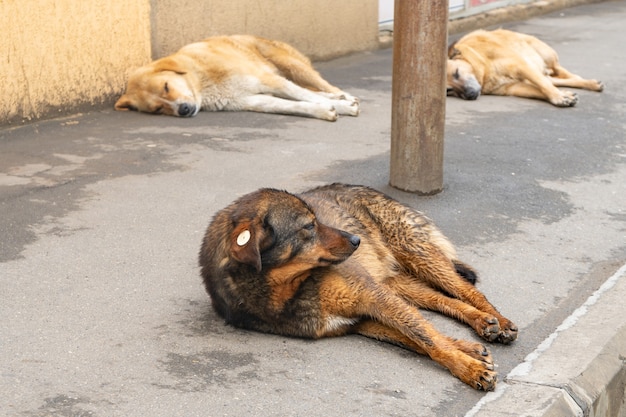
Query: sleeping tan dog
x,y
233,73
506,63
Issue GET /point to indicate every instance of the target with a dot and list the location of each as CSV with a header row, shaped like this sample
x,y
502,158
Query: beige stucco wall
x,y
59,55
321,29
62,56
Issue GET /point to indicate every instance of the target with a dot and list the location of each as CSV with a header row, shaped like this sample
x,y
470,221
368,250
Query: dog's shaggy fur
x,y
345,259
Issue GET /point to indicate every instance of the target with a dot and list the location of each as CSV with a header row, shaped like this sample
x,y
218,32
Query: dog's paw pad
x,y
356,109
331,115
347,108
348,97
487,381
482,354
508,333
600,86
489,328
567,99
480,375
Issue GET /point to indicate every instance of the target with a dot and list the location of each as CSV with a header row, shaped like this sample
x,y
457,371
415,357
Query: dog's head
x,y
162,87
460,78
277,231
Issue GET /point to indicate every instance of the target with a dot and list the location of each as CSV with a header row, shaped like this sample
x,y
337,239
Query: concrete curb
x,y
556,380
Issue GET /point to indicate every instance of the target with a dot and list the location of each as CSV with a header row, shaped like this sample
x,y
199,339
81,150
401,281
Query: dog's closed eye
x,y
456,74
306,232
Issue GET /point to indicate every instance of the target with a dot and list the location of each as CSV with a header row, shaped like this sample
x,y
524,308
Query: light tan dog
x,y
506,63
232,73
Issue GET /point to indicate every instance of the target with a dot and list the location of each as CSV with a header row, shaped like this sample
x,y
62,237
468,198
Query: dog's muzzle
x,y
471,93
471,89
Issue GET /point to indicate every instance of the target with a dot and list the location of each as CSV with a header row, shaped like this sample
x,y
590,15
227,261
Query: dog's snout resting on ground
x,y
506,63
343,259
233,73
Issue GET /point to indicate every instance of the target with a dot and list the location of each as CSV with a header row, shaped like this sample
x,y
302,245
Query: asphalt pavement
x,y
102,214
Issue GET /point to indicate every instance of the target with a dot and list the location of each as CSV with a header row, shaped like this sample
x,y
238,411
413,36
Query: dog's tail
x,y
465,271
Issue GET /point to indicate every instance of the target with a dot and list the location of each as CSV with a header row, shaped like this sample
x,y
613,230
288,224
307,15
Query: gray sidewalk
x,y
102,214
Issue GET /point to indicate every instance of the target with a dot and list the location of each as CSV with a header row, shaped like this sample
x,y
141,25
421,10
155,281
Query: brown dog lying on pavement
x,y
234,73
343,259
506,63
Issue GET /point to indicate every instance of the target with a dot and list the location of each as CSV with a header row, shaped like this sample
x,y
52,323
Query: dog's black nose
x,y
185,109
355,241
471,94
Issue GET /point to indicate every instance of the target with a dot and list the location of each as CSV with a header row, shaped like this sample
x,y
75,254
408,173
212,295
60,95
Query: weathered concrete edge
x,y
579,370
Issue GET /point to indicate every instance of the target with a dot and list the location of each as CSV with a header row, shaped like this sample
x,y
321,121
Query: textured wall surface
x,y
321,29
58,56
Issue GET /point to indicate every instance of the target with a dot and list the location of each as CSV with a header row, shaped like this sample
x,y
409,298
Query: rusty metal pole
x,y
420,38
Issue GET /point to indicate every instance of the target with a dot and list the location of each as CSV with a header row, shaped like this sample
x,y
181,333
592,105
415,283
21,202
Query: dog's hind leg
x,y
425,253
547,92
297,68
563,78
360,297
284,88
430,265
307,77
423,295
264,103
378,331
559,76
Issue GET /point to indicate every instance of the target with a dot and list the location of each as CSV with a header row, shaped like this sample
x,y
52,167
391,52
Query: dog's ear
x,y
169,64
124,103
245,244
452,51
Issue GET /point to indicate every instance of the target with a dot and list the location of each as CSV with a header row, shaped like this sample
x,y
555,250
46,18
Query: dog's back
x,y
367,211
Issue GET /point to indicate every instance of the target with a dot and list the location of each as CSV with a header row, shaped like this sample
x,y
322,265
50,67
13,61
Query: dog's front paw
x,y
487,327
496,329
330,114
479,375
470,362
355,108
508,331
347,108
475,350
487,380
348,97
567,99
599,86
